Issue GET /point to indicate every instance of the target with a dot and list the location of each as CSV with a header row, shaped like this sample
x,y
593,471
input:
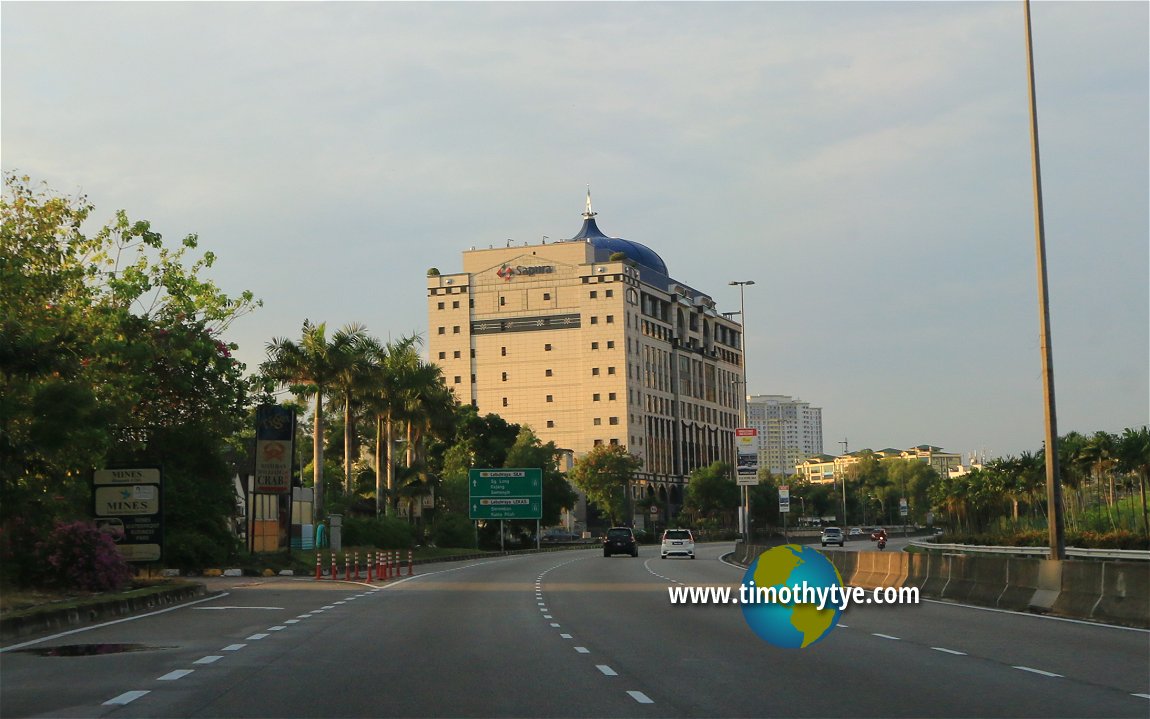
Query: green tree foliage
x,y
529,452
109,353
712,494
604,474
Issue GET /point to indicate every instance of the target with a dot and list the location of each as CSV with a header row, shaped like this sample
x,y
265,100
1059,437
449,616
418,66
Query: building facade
x,y
790,430
589,341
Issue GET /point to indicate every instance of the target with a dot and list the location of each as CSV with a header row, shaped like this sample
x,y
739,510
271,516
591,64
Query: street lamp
x,y
746,390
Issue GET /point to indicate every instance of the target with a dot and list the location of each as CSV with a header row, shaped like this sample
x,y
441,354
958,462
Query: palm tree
x,y
1134,457
352,373
310,368
381,396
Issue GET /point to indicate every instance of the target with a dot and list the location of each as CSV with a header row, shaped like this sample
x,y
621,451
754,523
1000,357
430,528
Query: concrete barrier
x,y
1125,593
1115,592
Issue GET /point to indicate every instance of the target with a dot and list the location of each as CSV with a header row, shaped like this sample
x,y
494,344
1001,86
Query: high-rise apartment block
x,y
589,341
790,431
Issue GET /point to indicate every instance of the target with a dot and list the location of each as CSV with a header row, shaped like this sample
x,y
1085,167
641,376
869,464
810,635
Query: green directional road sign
x,y
505,493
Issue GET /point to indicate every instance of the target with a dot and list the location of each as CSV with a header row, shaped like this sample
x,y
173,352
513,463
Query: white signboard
x,y
784,498
747,456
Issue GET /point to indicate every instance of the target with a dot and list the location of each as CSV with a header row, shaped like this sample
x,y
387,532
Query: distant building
x,y
825,468
589,341
790,430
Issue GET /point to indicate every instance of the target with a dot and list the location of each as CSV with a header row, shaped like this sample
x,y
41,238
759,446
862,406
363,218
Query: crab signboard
x,y
275,435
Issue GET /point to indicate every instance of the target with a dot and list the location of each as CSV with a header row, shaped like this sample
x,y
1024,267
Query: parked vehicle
x,y
620,540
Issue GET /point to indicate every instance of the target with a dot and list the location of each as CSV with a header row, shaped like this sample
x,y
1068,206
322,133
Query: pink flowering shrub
x,y
79,556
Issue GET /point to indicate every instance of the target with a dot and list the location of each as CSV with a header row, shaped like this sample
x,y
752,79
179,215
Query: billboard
x,y
747,456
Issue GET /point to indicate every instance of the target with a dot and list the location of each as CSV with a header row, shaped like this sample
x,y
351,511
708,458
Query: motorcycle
x,y
882,543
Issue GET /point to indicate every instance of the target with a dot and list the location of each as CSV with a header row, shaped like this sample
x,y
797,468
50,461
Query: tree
x,y
1134,457
310,368
711,493
110,352
529,451
604,474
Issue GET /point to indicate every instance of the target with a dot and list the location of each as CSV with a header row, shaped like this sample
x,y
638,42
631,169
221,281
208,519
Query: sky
x,y
867,164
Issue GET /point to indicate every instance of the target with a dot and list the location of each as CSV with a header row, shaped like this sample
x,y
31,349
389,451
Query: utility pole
x,y
746,490
845,522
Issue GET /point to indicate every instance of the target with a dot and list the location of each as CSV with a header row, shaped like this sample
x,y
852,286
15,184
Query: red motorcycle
x,y
882,543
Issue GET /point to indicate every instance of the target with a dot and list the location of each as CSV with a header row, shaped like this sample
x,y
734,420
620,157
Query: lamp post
x,y
743,413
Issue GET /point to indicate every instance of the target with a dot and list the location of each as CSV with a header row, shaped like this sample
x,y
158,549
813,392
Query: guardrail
x,y
1121,554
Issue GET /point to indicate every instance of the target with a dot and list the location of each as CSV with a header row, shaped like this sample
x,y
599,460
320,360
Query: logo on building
x,y
506,271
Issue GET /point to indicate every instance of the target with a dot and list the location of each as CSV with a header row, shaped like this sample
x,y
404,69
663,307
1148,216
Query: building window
x,y
594,320
502,300
594,345
610,293
550,398
597,421
472,379
550,423
614,443
610,344
594,371
546,296
595,397
442,355
546,348
441,330
455,330
610,370
548,373
455,354
439,305
613,420
611,396
504,401
504,376
610,319
594,294
472,354
598,443
458,379
455,305
502,351
471,303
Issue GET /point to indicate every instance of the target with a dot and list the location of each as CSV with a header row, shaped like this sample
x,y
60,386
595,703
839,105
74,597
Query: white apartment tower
x,y
590,341
790,430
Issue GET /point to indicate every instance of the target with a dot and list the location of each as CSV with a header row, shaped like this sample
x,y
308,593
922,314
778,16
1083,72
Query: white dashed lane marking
x,y
1039,671
884,636
607,671
641,697
125,698
233,647
564,636
173,676
949,651
208,660
583,650
254,637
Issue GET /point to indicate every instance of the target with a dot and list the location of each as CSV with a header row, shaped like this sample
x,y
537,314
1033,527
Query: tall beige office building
x,y
589,341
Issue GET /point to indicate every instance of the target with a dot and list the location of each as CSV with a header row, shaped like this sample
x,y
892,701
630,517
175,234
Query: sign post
x,y
784,507
747,456
505,493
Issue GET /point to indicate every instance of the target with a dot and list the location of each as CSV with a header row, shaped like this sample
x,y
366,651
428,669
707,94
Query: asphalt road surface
x,y
567,634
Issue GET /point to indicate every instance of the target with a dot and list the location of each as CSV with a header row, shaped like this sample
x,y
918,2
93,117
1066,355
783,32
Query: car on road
x,y
560,535
855,532
620,540
677,542
833,535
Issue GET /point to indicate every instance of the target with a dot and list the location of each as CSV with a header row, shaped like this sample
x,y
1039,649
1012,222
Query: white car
x,y
833,535
678,542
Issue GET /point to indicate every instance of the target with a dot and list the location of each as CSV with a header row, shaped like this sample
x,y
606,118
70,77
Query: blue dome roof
x,y
605,245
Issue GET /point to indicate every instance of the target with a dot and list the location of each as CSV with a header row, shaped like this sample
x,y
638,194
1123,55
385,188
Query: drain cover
x,y
88,650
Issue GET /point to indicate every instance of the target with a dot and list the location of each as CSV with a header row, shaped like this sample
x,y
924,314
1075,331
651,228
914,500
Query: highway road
x,y
568,634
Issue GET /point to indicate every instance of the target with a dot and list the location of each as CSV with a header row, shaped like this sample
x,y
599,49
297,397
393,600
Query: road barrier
x,y
1115,592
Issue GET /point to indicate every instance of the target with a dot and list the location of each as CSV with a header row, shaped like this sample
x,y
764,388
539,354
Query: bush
x,y
193,550
453,531
79,556
382,533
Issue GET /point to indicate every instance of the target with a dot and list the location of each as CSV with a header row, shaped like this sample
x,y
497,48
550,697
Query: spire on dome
x,y
588,214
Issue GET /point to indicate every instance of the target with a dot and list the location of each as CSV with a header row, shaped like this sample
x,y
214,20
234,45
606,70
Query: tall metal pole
x,y
744,419
1053,480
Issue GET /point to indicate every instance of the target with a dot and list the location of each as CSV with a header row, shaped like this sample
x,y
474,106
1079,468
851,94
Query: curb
x,y
47,619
